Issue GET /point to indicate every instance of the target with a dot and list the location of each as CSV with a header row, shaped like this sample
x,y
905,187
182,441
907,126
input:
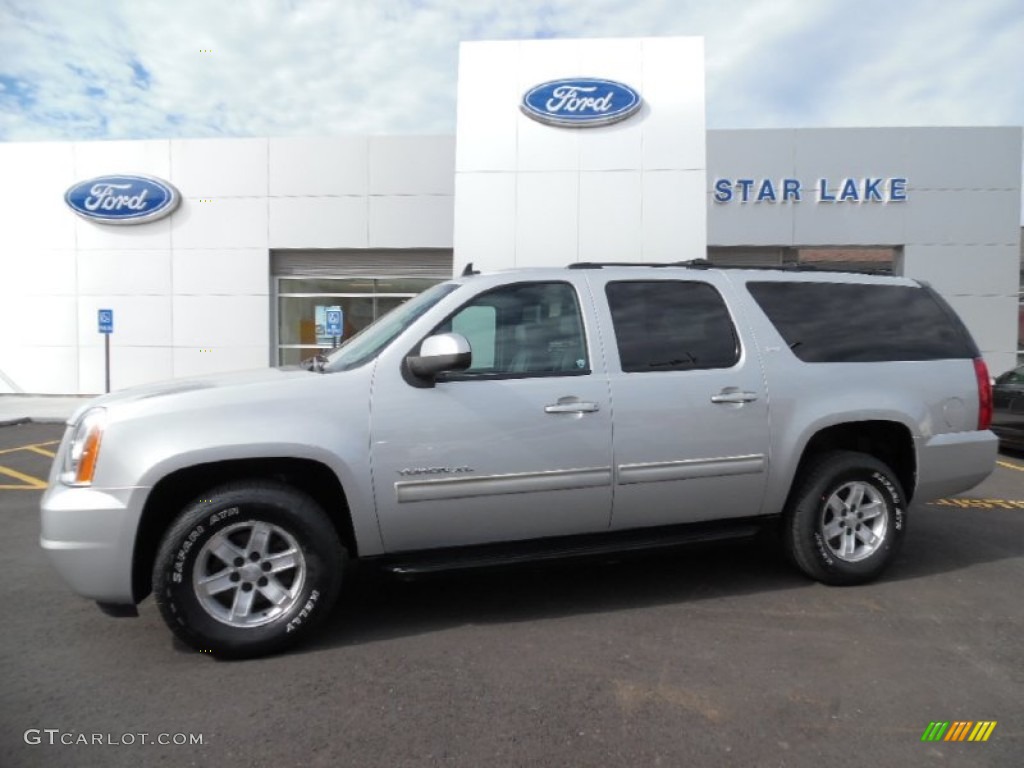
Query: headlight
x,y
84,449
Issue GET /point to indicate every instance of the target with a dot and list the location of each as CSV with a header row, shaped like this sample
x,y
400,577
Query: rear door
x,y
690,403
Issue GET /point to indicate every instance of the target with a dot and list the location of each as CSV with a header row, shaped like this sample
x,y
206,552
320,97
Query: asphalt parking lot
x,y
717,656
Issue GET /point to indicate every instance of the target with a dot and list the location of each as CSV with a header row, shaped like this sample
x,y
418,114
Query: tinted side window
x,y
671,325
846,322
524,329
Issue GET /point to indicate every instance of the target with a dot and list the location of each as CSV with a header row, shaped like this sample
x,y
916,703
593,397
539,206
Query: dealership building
x,y
220,254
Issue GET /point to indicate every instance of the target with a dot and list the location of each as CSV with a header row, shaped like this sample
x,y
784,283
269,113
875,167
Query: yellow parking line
x,y
1008,465
40,451
33,483
978,503
33,446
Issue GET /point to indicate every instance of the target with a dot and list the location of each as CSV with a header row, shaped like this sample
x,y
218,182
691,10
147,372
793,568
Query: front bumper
x,y
89,536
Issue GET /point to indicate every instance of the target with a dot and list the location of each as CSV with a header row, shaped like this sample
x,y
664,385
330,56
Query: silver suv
x,y
522,415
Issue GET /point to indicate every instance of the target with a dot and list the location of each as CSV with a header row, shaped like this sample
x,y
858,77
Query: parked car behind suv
x,y
526,414
1008,408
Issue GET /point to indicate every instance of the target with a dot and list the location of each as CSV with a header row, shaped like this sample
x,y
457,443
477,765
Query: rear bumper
x,y
89,536
954,462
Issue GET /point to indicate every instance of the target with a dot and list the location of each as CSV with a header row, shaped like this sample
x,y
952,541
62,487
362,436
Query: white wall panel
x,y
34,221
105,158
573,183
963,158
487,131
43,169
304,166
219,167
40,370
410,221
844,223
129,367
486,236
32,272
319,222
132,273
37,320
90,235
545,148
189,361
412,165
208,322
139,321
939,217
674,226
238,271
224,222
547,220
965,270
610,227
673,89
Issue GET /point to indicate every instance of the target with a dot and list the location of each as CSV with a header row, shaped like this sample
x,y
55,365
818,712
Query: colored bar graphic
x,y
982,731
958,730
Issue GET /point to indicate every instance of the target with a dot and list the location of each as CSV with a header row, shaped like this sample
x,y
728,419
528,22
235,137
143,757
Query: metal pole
x,y
106,359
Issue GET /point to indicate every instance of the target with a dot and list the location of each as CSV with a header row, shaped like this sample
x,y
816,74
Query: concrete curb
x,y
32,420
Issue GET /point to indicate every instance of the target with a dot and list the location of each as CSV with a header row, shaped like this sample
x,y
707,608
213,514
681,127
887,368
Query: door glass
x,y
671,325
530,329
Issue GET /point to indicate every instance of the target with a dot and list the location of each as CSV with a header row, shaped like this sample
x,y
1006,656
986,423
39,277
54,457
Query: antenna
x,y
469,271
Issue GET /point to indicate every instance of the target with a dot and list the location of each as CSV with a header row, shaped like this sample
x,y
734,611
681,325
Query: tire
x,y
284,574
846,518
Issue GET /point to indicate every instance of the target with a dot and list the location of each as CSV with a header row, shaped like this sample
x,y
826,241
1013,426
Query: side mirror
x,y
440,354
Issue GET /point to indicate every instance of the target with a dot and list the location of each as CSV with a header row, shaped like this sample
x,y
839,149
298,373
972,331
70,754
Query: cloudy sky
x,y
127,69
71,69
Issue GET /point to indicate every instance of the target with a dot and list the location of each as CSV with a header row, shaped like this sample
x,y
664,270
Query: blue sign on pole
x,y
334,317
106,320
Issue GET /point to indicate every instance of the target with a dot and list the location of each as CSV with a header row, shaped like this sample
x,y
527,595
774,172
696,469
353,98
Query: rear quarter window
x,y
850,322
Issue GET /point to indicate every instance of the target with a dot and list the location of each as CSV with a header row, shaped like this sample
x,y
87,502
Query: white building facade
x,y
272,234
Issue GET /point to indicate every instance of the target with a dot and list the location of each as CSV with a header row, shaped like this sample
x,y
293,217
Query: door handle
x,y
734,397
573,407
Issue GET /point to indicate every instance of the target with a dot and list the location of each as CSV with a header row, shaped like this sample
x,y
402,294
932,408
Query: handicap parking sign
x,y
106,320
334,318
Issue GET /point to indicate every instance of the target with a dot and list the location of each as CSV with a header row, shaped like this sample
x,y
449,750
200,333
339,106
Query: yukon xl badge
x,y
434,471
581,102
122,199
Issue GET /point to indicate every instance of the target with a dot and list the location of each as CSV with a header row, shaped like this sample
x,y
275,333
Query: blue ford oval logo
x,y
580,102
125,199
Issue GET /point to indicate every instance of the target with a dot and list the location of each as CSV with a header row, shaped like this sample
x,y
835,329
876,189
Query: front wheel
x,y
248,569
846,518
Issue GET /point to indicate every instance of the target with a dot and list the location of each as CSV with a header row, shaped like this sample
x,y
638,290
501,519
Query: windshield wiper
x,y
315,363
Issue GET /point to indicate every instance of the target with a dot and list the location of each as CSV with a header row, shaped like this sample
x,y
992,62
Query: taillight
x,y
984,394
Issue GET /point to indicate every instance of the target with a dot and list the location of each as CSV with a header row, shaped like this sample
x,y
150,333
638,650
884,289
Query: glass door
x,y
315,314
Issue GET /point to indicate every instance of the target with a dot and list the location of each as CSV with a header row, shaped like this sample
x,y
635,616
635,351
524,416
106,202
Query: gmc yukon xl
x,y
520,415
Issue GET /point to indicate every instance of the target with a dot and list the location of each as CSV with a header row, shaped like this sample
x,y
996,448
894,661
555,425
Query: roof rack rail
x,y
694,263
705,264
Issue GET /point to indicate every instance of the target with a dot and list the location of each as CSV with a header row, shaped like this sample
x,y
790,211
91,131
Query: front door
x,y
516,447
691,409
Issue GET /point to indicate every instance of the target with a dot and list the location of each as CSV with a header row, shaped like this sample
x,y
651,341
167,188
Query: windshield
x,y
368,343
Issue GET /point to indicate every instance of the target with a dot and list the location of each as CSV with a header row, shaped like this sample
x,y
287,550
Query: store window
x,y
316,314
845,259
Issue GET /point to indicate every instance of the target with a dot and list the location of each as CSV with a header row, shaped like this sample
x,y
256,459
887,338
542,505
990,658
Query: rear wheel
x,y
248,569
846,518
